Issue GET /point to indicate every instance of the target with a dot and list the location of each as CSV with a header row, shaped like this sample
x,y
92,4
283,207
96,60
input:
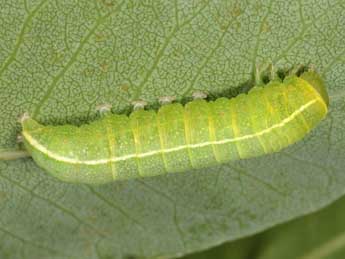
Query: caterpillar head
x,y
317,82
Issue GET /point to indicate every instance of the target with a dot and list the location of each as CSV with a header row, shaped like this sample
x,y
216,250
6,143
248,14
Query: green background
x,y
59,59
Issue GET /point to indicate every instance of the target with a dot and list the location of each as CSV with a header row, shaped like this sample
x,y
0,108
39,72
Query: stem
x,y
13,154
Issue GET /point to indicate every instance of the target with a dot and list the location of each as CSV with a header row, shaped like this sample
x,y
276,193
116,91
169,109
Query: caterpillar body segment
x,y
178,138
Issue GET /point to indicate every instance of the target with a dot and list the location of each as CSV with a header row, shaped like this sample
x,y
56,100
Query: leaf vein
x,y
25,241
162,51
74,57
53,204
114,206
20,38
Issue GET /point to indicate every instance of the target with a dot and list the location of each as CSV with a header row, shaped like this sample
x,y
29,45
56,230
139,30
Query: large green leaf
x,y
59,59
320,235
316,236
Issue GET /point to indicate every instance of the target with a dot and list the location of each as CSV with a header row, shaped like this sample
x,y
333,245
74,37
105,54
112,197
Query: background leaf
x,y
59,59
316,236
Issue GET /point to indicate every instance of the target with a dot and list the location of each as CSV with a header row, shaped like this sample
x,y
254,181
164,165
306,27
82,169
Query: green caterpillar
x,y
180,137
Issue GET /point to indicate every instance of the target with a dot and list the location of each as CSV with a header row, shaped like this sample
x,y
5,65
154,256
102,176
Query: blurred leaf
x,y
320,235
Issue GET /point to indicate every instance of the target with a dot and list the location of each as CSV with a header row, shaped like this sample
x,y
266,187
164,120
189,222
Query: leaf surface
x,y
320,235
60,59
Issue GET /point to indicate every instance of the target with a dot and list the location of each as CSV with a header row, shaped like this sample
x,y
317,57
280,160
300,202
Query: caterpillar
x,y
178,137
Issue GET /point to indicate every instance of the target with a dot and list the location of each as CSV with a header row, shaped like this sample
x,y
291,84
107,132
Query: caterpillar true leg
x,y
139,104
273,75
199,95
296,69
104,108
166,99
258,75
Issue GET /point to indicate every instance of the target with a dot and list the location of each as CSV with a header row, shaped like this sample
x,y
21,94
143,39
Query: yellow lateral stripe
x,y
60,158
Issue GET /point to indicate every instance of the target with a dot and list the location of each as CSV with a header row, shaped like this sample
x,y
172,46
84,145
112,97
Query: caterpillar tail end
x,y
25,120
317,83
28,124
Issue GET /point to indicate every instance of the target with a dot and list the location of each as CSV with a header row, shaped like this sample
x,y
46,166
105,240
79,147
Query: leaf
x,y
60,59
320,235
315,236
239,249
